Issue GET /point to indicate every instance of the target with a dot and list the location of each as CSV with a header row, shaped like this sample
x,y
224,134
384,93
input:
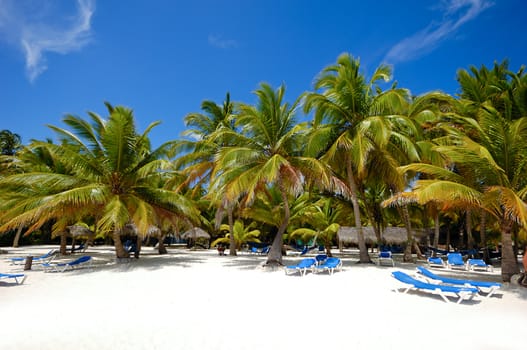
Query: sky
x,y
162,58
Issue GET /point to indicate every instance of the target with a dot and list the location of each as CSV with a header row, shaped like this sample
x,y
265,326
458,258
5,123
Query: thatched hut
x,y
390,235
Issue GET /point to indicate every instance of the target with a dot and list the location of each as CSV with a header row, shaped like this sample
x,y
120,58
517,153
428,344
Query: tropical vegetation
x,y
356,150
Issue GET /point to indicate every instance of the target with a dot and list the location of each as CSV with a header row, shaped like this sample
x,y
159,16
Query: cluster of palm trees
x,y
369,154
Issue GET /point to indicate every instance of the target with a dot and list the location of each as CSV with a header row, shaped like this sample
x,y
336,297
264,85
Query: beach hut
x,y
390,235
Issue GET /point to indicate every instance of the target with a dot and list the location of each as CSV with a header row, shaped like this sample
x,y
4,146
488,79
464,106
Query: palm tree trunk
x,y
483,236
120,252
17,236
63,243
232,242
275,253
407,257
138,245
470,238
436,231
161,248
509,264
363,250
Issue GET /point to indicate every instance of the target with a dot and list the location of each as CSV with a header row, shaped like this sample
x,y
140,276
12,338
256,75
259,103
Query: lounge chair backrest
x,y
80,260
477,262
455,259
385,254
321,257
306,262
332,262
427,273
435,260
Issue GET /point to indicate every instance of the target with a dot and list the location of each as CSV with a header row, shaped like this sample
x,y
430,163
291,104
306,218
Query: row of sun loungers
x,y
461,289
19,278
455,260
320,263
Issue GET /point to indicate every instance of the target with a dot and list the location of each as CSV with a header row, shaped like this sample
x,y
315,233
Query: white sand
x,y
199,300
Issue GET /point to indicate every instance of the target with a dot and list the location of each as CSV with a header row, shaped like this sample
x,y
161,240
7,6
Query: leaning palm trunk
x,y
407,257
120,252
470,238
363,250
275,253
483,234
17,236
161,248
138,246
436,232
63,244
509,264
232,242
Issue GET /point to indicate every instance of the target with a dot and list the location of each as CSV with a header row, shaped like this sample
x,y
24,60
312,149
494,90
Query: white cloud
x,y
40,27
455,13
219,42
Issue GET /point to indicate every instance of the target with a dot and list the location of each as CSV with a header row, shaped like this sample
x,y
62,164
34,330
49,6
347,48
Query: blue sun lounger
x,y
61,267
301,267
478,264
46,258
385,257
455,260
482,286
435,262
330,264
461,293
19,278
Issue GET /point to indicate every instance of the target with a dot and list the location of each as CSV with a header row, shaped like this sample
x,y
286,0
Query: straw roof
x,y
392,235
131,229
79,231
194,233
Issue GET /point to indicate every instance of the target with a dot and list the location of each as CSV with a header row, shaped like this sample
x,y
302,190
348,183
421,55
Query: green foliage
x,y
242,234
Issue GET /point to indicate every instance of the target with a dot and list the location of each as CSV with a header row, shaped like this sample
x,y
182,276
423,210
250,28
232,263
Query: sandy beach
x,y
200,300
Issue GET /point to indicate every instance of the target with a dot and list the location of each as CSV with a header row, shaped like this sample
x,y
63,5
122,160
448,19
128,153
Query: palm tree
x,y
198,158
322,219
267,152
487,154
354,128
241,234
113,179
10,143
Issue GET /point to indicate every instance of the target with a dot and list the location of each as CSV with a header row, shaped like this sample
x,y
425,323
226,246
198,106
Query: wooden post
x,y
29,262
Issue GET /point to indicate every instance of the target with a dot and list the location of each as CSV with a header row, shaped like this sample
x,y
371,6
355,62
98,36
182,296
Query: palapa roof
x,y
194,233
131,229
79,231
391,235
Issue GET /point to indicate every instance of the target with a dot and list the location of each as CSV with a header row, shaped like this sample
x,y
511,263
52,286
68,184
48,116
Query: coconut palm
x,y
487,155
267,152
319,221
241,234
113,178
355,128
10,143
198,158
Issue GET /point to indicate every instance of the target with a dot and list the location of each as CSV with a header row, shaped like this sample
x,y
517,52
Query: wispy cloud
x,y
40,27
455,13
219,42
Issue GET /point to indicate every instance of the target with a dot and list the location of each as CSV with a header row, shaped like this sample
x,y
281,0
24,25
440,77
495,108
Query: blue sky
x,y
162,58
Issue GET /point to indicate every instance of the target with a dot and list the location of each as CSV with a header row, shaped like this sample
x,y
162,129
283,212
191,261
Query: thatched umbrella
x,y
195,233
79,231
76,232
